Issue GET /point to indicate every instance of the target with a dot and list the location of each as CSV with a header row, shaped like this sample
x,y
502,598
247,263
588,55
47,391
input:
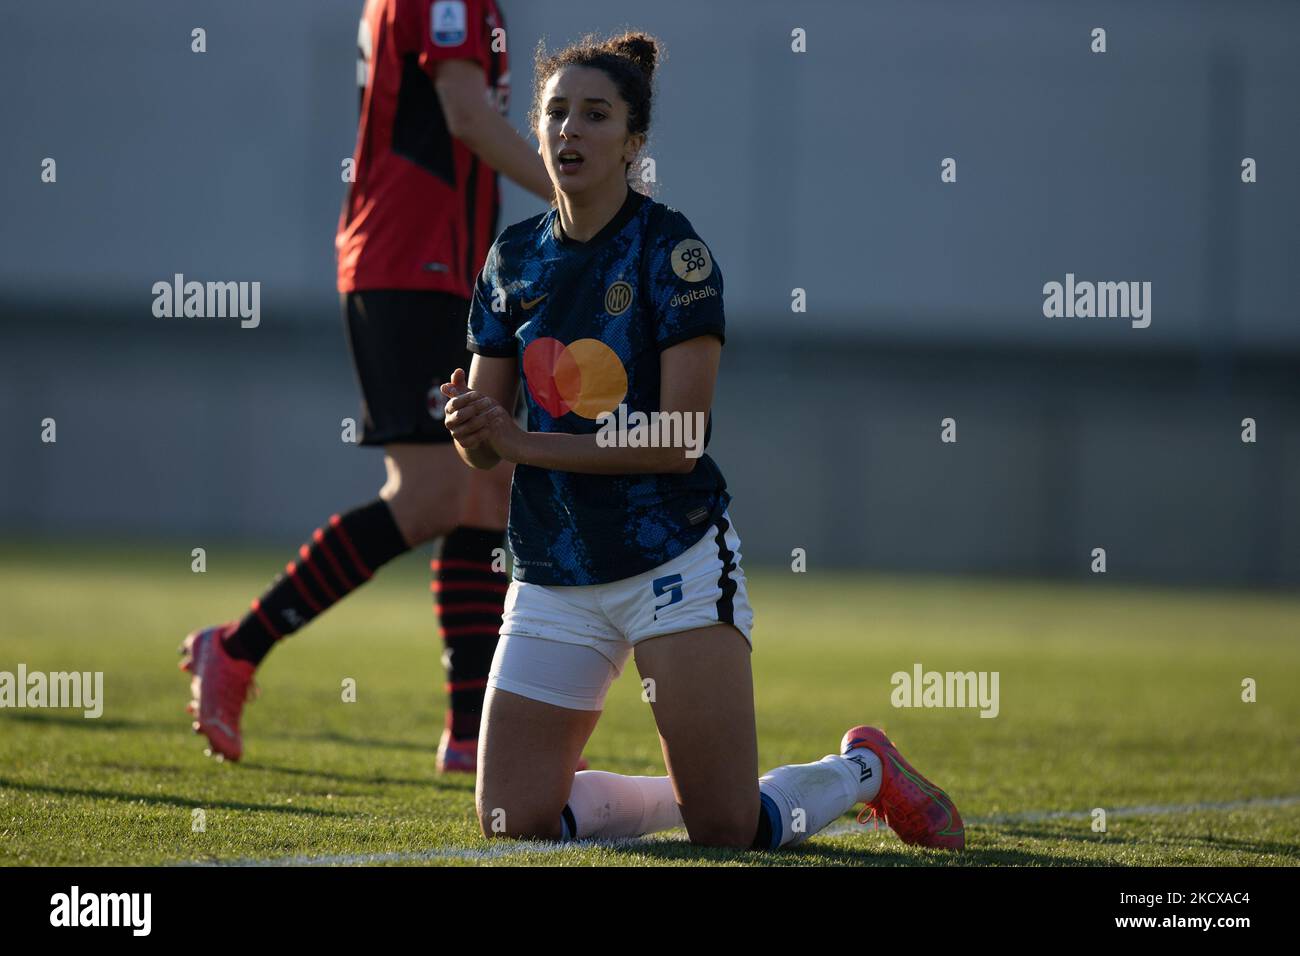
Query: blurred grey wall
x,y
817,170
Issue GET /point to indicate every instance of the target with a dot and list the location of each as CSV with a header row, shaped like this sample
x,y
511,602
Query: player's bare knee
x,y
423,511
423,526
418,527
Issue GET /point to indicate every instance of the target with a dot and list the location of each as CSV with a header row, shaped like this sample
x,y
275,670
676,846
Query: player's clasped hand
x,y
474,418
468,413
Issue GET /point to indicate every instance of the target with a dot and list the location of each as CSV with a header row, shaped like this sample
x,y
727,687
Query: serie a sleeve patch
x,y
448,23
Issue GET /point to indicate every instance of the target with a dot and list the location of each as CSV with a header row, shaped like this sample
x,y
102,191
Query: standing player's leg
x,y
469,586
340,556
399,342
469,580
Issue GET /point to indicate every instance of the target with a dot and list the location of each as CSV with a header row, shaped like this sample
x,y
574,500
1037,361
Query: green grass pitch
x,y
1123,698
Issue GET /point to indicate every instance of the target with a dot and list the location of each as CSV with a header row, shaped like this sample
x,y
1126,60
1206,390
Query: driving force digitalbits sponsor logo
x,y
692,263
584,377
691,260
686,298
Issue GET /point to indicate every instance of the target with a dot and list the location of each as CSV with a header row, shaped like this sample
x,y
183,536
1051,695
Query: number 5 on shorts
x,y
670,584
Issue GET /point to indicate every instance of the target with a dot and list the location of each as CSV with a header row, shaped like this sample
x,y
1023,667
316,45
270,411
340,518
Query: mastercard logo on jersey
x,y
585,377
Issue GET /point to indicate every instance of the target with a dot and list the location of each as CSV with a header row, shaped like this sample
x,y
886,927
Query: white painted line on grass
x,y
485,854
502,851
1149,810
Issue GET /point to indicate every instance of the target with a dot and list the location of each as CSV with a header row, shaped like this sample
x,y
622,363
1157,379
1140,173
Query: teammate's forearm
x,y
560,451
492,139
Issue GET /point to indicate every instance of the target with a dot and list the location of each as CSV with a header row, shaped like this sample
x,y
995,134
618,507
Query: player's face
x,y
582,131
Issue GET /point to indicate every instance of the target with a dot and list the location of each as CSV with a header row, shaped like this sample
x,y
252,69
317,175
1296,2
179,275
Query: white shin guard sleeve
x,y
809,796
610,805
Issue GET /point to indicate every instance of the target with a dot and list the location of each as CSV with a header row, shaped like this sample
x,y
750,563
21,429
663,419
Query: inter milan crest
x,y
617,298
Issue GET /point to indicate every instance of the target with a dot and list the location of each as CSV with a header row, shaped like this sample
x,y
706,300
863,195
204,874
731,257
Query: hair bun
x,y
640,48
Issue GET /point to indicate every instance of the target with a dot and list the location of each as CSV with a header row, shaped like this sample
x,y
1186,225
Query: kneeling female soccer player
x,y
611,299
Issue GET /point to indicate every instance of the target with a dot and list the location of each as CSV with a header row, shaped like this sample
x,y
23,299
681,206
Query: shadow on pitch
x,y
1222,844
871,854
162,799
254,766
76,721
369,780
1112,840
334,737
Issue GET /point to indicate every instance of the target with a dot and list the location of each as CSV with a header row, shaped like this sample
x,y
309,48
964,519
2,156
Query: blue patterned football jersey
x,y
586,322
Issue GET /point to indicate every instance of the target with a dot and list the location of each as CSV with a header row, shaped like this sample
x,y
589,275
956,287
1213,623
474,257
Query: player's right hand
x,y
468,412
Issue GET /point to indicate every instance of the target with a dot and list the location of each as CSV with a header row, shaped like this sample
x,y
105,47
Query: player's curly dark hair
x,y
629,59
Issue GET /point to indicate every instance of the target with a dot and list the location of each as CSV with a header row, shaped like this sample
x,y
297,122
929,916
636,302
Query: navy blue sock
x,y
769,832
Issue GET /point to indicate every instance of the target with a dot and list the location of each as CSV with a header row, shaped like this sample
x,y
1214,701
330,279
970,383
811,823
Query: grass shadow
x,y
72,721
1180,842
334,737
157,799
815,854
433,782
76,721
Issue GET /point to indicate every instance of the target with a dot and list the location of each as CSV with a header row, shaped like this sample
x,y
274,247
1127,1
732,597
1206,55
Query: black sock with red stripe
x,y
339,559
468,597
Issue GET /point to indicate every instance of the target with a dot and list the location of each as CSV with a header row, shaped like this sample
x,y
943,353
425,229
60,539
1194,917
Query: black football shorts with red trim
x,y
405,343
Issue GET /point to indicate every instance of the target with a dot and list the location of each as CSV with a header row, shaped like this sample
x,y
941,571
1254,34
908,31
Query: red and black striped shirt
x,y
423,208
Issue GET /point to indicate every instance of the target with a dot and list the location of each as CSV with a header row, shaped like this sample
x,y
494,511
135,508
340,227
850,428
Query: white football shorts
x,y
566,645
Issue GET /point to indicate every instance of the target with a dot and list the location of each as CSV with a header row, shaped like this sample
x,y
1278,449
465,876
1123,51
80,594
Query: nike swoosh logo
x,y
528,305
934,793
